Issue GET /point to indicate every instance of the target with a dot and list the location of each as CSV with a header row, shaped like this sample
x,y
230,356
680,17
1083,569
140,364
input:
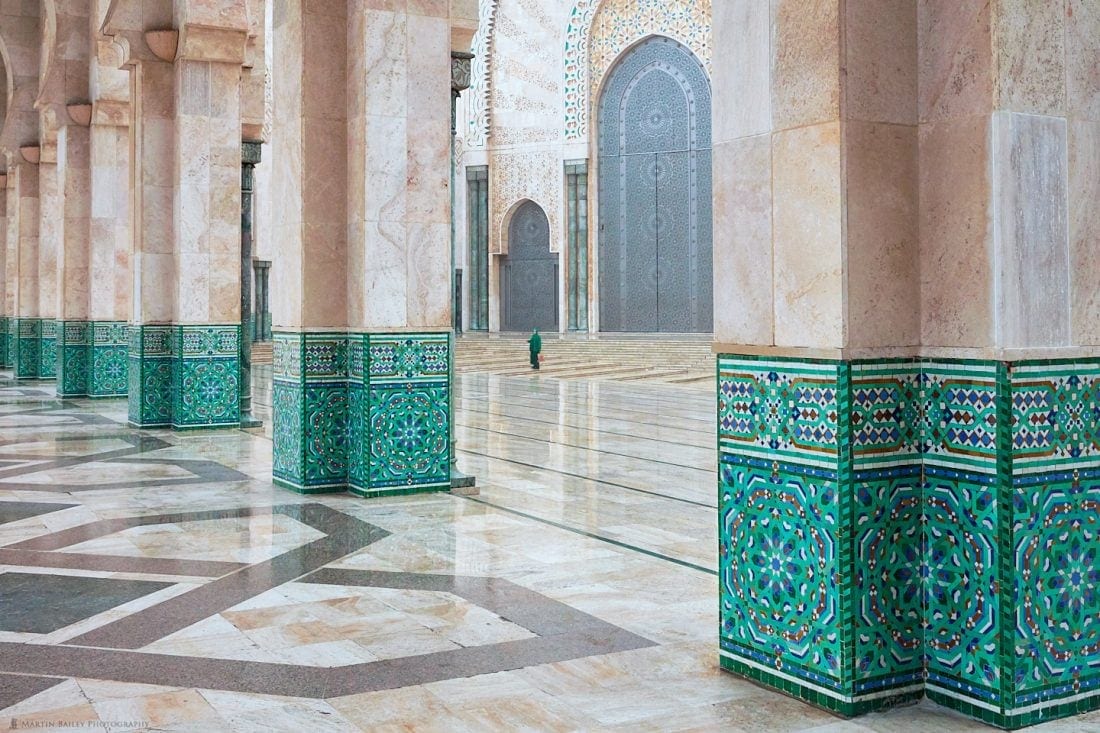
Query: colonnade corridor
x,y
158,580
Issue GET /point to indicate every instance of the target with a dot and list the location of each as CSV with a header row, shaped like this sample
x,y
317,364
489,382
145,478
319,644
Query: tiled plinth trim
x,y
13,339
92,359
47,350
5,336
27,337
366,413
184,377
898,528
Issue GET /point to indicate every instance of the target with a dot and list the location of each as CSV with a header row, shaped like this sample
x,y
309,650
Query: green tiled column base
x,y
184,377
108,368
366,413
5,336
28,340
92,359
72,358
47,350
904,527
13,339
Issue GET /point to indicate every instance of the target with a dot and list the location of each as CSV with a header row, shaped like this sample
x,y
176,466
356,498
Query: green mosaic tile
x,y
72,358
779,410
967,518
27,348
47,350
779,573
362,412
5,336
108,360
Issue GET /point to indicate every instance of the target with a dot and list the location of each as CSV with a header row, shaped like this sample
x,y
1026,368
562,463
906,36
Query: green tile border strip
x,y
1005,431
28,339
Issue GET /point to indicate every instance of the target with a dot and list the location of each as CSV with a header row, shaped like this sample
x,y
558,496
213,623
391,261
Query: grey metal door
x,y
529,274
655,230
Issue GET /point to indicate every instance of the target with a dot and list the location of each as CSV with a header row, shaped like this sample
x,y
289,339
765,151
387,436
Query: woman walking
x,y
535,342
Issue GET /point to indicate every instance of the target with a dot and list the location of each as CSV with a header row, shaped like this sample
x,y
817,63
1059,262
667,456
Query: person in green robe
x,y
535,342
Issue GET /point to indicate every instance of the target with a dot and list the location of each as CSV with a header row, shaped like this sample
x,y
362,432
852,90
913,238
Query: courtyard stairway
x,y
682,360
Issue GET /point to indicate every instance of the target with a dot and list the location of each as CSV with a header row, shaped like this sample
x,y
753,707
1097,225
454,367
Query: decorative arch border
x,y
600,30
478,113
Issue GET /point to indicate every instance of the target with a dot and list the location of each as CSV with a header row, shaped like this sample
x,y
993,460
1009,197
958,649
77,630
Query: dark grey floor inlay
x,y
13,511
37,603
17,688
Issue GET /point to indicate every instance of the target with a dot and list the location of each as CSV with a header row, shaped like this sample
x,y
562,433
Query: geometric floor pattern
x,y
160,581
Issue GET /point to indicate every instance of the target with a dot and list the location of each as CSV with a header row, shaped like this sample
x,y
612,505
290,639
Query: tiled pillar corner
x,y
5,357
206,377
150,375
47,350
72,358
894,528
12,338
367,413
28,338
184,377
108,374
310,412
405,433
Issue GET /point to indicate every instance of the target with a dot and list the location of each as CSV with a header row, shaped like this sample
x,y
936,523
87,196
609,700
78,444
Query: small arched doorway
x,y
655,229
529,273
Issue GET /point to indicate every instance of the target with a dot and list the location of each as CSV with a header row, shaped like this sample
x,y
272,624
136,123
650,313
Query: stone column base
x,y
184,377
92,359
898,528
27,348
366,413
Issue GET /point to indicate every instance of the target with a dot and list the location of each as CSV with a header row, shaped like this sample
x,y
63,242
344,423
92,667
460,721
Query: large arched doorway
x,y
655,261
529,274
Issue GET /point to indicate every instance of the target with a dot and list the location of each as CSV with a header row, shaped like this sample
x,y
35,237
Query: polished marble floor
x,y
156,581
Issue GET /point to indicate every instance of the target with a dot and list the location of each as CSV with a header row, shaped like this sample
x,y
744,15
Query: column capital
x,y
461,62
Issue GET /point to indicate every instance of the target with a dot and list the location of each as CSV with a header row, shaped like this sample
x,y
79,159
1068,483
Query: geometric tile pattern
x,y
72,358
47,350
600,30
108,374
896,527
183,377
5,337
366,413
27,339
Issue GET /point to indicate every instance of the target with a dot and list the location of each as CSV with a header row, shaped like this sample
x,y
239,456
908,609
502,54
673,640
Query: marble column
x,y
23,223
50,232
73,271
5,276
109,263
185,338
250,158
362,305
901,388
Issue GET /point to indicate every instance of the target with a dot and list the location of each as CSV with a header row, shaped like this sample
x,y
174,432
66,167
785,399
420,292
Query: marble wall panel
x,y
808,237
956,233
880,56
805,62
1082,50
743,292
883,243
742,28
1029,56
1084,230
955,58
1031,230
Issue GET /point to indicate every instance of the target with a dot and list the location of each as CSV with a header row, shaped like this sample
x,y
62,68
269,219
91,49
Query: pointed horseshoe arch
x,y
654,157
